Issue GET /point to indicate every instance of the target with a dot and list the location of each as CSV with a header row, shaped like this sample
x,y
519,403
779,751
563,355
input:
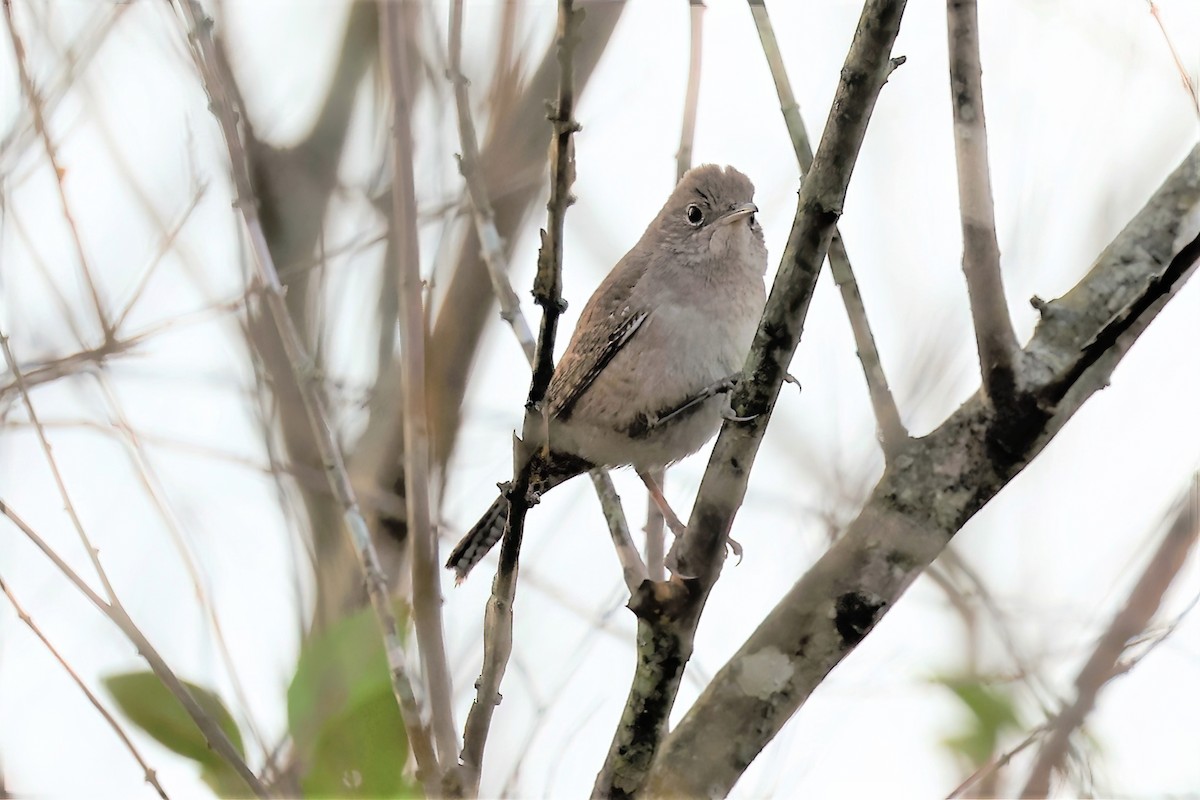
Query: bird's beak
x,y
739,212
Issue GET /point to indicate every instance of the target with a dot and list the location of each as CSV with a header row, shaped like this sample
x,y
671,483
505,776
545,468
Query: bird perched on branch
x,y
664,334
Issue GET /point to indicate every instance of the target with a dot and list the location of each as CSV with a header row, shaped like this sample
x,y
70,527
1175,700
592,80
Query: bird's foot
x,y
735,547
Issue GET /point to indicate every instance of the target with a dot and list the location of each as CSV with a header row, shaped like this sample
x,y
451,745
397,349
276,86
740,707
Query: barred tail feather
x,y
479,540
546,473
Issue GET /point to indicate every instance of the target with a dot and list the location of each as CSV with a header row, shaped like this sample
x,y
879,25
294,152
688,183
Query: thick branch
x,y
994,335
933,487
668,624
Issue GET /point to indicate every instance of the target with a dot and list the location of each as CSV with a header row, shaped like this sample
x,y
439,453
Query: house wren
x,y
666,329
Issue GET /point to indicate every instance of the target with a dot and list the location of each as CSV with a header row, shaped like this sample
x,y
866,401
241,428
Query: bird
x,y
660,340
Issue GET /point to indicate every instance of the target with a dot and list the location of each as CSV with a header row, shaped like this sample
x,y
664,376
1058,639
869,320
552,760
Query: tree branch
x,y
426,564
655,535
934,486
212,732
496,260
1104,663
215,83
547,293
994,335
491,245
668,613
149,774
512,159
891,431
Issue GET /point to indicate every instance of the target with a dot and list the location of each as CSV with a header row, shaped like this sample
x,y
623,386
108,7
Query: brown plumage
x,y
673,317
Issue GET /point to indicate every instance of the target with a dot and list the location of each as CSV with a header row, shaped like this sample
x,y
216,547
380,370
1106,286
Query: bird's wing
x,y
608,322
595,349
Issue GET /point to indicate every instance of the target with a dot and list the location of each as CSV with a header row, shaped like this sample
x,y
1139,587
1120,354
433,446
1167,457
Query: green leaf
x,y
143,698
992,711
348,733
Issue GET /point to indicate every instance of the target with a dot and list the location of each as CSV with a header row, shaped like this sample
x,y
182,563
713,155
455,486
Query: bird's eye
x,y
694,214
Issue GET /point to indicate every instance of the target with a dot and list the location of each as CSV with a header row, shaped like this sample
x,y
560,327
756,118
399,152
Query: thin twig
x,y
1184,77
497,267
149,773
654,528
491,245
175,528
632,569
691,95
892,433
426,565
547,292
217,83
39,122
113,610
656,553
68,506
1104,663
164,246
74,61
994,336
994,765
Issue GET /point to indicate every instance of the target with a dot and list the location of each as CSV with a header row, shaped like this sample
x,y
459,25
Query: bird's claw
x,y
735,547
727,414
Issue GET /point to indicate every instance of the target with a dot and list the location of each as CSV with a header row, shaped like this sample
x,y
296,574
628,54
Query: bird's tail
x,y
479,540
545,474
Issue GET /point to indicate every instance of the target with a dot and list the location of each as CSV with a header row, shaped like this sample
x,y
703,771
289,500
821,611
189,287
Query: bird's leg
x,y
720,387
677,527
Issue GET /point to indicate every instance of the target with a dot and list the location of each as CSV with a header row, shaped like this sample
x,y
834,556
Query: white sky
x,y
1086,116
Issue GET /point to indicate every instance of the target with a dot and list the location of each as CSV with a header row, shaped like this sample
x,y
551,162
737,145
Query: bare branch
x,y
655,536
216,83
426,572
513,160
1184,77
633,570
116,614
668,613
994,335
988,770
491,244
151,777
547,292
1132,620
892,433
497,266
938,485
39,122
691,95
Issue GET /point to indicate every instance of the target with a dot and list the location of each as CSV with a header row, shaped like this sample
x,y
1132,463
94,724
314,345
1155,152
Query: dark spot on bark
x,y
801,645
900,560
856,615
1017,423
